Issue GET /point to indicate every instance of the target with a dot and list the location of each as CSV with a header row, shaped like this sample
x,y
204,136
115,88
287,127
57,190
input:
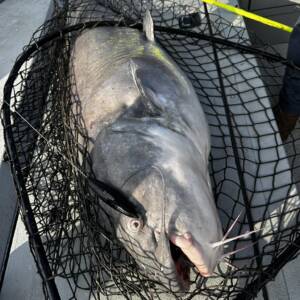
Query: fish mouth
x,y
182,266
193,252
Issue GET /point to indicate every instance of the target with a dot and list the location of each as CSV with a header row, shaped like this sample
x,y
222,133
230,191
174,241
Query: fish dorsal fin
x,y
148,26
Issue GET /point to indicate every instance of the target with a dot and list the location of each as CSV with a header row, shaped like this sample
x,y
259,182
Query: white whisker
x,y
230,265
227,262
241,236
236,251
232,225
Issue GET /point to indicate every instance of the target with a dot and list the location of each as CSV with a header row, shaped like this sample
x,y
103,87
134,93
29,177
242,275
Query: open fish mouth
x,y
182,265
192,252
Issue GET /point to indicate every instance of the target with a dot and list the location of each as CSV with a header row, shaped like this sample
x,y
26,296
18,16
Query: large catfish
x,y
150,138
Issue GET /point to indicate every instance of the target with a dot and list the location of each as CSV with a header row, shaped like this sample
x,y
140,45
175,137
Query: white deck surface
x,y
18,20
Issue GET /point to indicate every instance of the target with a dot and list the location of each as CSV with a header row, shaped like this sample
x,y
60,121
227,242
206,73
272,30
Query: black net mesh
x,y
253,173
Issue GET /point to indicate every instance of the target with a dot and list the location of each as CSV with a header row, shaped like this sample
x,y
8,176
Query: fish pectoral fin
x,y
148,26
152,100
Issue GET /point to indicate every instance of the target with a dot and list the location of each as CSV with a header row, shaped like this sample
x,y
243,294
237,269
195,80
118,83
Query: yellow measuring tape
x,y
250,15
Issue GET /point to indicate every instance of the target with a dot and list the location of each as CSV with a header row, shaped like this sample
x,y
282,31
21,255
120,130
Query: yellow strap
x,y
250,15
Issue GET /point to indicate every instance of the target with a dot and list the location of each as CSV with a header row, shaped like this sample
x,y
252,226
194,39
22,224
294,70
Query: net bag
x,y
255,175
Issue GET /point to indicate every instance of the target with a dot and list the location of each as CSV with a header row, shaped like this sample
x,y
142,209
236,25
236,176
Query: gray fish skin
x,y
149,137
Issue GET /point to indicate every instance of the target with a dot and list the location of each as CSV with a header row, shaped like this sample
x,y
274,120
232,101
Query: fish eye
x,y
135,225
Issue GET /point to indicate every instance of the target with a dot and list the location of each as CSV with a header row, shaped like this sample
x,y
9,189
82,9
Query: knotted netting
x,y
254,174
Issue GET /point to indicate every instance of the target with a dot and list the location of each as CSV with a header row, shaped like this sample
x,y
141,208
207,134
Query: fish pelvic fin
x,y
148,26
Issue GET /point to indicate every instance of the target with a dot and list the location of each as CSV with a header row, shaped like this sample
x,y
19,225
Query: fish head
x,y
177,231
